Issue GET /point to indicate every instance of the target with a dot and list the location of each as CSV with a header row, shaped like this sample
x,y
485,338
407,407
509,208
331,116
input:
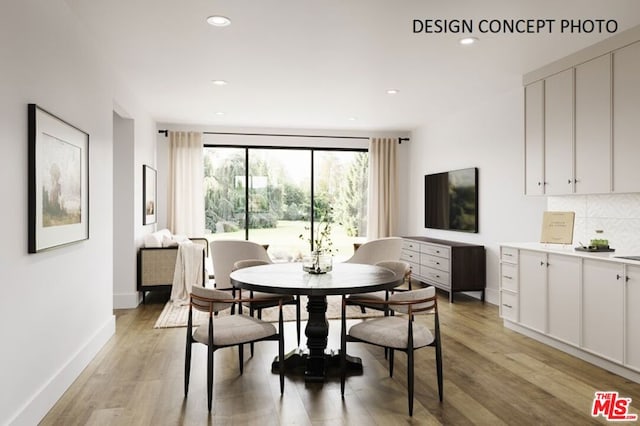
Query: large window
x,y
276,196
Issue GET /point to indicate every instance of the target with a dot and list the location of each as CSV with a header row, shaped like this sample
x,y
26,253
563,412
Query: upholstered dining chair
x,y
225,254
265,300
397,332
401,269
378,250
225,331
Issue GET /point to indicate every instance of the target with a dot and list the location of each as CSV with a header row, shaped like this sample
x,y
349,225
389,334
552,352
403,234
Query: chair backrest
x,y
399,267
225,253
248,263
202,298
375,251
418,308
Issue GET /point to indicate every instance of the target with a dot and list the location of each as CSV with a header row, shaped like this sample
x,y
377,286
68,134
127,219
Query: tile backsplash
x,y
618,215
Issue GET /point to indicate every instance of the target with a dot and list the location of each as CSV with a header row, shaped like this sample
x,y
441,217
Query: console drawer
x,y
410,256
434,250
435,275
434,262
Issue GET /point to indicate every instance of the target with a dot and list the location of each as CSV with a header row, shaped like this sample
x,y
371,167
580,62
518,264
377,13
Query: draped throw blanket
x,y
186,183
188,271
383,204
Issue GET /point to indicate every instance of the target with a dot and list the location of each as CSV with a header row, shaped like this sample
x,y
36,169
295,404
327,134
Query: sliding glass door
x,y
276,196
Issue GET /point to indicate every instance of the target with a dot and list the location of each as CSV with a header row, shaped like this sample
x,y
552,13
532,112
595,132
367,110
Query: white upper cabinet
x,y
582,121
558,133
534,138
593,126
626,119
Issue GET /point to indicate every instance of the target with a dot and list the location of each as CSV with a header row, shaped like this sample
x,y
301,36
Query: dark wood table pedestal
x,y
316,363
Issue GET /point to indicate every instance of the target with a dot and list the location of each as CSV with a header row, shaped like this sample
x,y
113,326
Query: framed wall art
x,y
58,181
149,199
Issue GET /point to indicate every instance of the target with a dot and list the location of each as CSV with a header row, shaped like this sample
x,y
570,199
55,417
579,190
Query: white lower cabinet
x,y
533,289
632,310
582,303
602,308
563,277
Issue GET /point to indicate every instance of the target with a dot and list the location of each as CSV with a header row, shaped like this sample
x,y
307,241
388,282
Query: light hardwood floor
x,y
492,376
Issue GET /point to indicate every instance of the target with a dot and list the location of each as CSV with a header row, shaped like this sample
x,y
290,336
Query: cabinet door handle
x,y
508,254
539,183
507,277
541,263
626,279
437,263
618,276
569,181
508,306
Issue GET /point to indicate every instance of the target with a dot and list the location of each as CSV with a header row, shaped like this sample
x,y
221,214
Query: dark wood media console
x,y
449,265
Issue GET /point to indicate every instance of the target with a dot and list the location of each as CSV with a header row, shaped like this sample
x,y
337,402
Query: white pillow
x,y
169,242
153,240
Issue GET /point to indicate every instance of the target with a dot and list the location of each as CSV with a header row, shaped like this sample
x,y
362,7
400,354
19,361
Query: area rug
x,y
177,316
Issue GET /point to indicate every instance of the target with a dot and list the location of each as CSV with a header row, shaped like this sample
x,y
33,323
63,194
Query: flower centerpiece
x,y
320,260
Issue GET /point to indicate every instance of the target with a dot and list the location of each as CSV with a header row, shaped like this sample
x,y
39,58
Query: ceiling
x,y
319,64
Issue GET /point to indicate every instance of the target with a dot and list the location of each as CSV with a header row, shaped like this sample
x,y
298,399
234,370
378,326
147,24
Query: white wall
x,y
56,306
488,136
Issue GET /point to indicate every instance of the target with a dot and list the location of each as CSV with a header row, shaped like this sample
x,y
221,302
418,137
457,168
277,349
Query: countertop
x,y
570,251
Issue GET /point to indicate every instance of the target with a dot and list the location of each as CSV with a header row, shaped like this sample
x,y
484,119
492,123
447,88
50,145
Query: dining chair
x,y
225,331
399,268
397,332
374,251
262,300
225,254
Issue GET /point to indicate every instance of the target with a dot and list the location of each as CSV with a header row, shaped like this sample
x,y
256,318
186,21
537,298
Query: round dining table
x,y
290,279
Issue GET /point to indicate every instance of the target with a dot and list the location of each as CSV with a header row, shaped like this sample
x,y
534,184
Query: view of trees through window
x,y
274,207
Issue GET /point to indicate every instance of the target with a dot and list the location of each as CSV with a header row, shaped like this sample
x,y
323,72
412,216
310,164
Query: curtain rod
x,y
400,140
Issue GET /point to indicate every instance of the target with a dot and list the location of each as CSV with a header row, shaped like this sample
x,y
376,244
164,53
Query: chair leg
x,y
410,380
439,369
187,367
209,376
391,362
298,319
281,358
343,350
241,358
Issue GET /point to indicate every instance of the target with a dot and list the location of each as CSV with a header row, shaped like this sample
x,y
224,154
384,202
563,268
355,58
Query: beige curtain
x,y
383,205
186,183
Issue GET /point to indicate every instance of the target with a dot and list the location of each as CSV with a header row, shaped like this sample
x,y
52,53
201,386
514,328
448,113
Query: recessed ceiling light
x,y
392,91
468,40
218,21
219,113
352,119
219,82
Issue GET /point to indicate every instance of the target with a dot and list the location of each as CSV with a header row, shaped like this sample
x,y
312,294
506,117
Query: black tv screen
x,y
451,200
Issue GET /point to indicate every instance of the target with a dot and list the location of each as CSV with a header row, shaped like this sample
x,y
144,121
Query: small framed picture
x,y
58,181
149,199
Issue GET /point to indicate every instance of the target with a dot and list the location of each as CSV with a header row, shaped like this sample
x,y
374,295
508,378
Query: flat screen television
x,y
451,200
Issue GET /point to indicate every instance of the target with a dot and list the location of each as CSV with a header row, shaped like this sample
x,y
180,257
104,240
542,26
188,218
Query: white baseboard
x,y
492,296
38,406
126,300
